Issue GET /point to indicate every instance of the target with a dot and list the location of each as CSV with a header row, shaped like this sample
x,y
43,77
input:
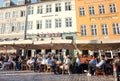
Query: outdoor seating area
x,y
58,64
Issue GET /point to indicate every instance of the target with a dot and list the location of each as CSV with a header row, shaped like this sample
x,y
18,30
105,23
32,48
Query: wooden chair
x,y
100,70
49,68
9,66
24,66
65,68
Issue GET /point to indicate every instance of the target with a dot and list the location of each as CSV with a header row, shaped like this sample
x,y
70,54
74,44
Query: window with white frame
x,y
7,28
93,29
113,8
39,10
48,8
22,13
14,27
48,24
101,9
91,10
67,6
15,14
83,30
68,22
58,7
30,10
58,23
82,11
21,26
1,15
30,25
39,24
104,29
116,28
2,28
7,15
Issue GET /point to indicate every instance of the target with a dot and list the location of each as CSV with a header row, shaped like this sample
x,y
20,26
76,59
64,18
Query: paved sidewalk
x,y
32,76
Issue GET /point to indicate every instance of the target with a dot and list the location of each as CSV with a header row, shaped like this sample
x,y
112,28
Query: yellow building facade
x,y
98,19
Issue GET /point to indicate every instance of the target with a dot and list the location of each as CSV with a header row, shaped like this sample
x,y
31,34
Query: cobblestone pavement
x,y
34,76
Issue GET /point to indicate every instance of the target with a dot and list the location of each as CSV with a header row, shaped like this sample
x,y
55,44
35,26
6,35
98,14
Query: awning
x,y
46,44
63,44
105,44
23,44
6,45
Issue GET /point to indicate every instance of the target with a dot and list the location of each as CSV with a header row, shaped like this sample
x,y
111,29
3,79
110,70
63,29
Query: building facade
x,y
98,19
44,20
61,19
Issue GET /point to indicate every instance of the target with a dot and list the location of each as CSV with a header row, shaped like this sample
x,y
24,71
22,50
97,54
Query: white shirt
x,y
67,61
43,60
78,61
30,61
100,63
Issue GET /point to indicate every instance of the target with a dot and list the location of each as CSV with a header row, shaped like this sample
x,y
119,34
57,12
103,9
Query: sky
x,y
15,1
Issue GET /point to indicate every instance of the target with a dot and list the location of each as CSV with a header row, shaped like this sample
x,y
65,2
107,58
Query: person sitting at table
x,y
50,64
117,64
101,63
66,65
92,66
30,62
6,62
79,64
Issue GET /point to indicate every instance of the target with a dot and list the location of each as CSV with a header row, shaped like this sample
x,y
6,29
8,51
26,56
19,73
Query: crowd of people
x,y
61,64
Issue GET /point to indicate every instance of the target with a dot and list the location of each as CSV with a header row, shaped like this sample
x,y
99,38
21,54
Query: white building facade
x,y
52,17
44,20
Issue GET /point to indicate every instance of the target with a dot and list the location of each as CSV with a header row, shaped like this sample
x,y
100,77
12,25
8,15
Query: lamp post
x,y
25,29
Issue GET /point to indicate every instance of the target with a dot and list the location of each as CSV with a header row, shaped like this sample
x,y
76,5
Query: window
x,y
7,15
48,8
93,30
48,24
82,11
15,14
101,9
113,8
14,27
67,6
57,23
104,29
39,10
22,13
68,22
2,28
7,4
1,15
116,28
7,28
91,10
30,25
58,7
83,30
30,10
39,24
21,26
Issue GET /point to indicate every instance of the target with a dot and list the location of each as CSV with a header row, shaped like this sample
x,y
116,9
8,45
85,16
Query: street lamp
x,y
26,24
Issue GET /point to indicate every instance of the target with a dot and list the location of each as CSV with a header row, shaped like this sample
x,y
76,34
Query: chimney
x,y
27,1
